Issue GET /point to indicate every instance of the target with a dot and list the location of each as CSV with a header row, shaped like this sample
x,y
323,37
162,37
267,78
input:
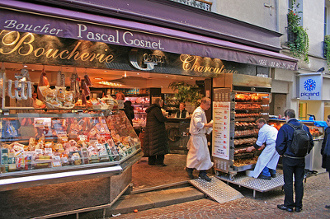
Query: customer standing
x,y
155,144
129,111
267,161
198,155
325,150
292,165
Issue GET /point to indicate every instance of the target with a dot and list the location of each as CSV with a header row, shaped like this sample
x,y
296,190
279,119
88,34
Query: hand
x,y
249,149
262,147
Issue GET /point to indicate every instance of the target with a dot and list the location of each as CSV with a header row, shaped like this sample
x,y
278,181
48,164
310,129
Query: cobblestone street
x,y
317,195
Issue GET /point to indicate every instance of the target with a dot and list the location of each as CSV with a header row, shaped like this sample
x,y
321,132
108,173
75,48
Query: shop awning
x,y
40,19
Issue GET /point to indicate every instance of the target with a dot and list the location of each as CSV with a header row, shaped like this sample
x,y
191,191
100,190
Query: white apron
x,y
198,156
269,156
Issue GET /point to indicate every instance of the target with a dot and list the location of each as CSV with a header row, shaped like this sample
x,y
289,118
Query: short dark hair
x,y
261,120
328,116
290,113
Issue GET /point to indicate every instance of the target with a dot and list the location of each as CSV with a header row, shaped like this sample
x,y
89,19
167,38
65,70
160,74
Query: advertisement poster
x,y
221,129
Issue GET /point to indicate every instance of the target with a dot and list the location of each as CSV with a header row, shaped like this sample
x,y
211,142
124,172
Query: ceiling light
x,y
98,78
25,66
107,83
138,73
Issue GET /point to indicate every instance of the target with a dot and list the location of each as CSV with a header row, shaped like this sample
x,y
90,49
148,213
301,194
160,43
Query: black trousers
x,y
157,159
293,167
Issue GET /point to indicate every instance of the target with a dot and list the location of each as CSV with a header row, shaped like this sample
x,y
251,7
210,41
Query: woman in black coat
x,y
155,144
325,151
129,111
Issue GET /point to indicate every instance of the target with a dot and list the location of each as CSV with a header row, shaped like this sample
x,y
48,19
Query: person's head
x,y
120,96
127,103
328,120
205,103
159,102
261,122
289,114
34,96
182,106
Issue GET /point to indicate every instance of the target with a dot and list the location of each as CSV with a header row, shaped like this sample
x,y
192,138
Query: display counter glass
x,y
52,142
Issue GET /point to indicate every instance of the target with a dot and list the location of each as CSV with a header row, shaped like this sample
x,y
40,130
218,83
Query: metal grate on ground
x,y
216,189
259,185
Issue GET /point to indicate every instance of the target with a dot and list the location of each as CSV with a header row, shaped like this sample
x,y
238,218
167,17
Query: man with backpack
x,y
293,143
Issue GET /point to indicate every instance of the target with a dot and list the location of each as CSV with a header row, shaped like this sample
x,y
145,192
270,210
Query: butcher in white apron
x,y
198,155
268,159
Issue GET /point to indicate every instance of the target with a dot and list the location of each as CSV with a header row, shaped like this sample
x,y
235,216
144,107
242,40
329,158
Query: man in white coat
x,y
268,159
198,155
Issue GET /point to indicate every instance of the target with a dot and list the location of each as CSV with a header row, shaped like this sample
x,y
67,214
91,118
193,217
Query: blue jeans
x,y
267,172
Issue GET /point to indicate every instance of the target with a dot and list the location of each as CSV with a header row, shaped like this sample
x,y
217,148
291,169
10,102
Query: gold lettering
x,y
37,50
85,56
12,41
49,53
61,54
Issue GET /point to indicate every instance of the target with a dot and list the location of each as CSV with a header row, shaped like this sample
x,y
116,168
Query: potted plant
x,y
298,40
327,49
186,93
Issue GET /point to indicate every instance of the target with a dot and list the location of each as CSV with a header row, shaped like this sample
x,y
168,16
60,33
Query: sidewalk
x,y
317,195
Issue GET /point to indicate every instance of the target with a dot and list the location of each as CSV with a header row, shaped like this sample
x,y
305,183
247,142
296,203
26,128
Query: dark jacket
x,y
129,111
184,114
155,140
285,136
325,150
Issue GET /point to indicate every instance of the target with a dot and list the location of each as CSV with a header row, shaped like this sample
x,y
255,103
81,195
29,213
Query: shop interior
x,y
136,87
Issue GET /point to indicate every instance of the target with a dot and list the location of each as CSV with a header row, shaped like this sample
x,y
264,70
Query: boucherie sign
x,y
50,50
67,24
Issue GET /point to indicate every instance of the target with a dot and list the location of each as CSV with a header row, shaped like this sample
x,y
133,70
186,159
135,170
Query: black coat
x,y
129,111
155,140
325,150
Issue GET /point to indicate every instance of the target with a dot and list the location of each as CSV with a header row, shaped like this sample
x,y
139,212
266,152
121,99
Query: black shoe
x,y
273,175
161,164
265,177
284,208
298,209
327,206
205,177
190,172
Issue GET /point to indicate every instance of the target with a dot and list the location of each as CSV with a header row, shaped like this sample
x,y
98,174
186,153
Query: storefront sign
x,y
221,132
112,31
310,87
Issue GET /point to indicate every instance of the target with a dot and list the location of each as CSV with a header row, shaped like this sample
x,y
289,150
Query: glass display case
x,y
248,108
313,161
63,141
316,130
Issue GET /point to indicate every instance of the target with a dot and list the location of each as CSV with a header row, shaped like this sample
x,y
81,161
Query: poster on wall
x,y
221,130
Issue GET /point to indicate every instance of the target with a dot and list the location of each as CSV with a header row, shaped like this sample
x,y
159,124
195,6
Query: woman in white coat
x,y
198,155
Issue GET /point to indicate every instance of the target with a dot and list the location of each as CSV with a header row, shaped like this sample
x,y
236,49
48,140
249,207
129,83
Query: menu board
x,y
221,130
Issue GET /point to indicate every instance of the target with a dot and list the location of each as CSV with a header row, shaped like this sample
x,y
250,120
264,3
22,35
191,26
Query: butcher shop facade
x,y
62,126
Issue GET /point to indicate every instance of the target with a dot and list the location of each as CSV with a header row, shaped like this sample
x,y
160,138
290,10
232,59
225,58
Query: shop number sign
x,y
221,131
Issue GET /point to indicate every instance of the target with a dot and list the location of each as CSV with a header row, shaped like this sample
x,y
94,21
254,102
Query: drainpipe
x,y
277,16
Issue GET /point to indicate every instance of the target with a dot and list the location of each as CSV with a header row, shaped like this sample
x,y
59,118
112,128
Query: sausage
x,y
23,95
88,80
16,91
10,84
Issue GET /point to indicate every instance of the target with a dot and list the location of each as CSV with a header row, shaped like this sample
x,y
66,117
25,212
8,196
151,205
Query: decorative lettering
x,y
13,42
